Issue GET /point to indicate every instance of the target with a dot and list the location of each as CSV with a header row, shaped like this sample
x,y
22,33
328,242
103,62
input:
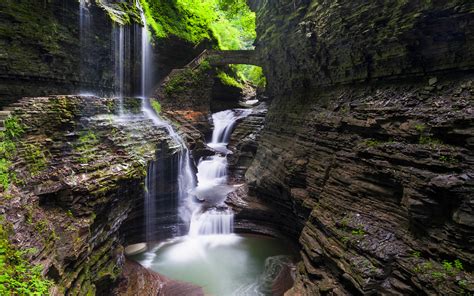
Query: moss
x,y
156,106
35,158
123,13
182,80
87,142
18,276
228,80
8,149
230,23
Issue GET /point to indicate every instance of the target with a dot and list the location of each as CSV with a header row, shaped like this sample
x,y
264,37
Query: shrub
x,y
17,275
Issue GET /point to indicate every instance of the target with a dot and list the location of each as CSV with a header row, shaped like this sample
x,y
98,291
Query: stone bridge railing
x,y
224,57
218,58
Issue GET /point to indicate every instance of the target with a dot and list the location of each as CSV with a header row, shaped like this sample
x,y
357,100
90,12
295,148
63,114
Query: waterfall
x,y
150,205
146,52
213,221
224,123
119,70
84,32
185,174
212,186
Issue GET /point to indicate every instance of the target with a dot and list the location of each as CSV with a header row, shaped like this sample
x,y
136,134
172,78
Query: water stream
x,y
209,254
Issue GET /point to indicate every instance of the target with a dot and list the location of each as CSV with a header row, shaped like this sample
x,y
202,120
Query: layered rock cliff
x,y
366,154
79,173
42,51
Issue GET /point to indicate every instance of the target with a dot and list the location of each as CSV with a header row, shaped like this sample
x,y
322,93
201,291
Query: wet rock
x,y
72,208
366,154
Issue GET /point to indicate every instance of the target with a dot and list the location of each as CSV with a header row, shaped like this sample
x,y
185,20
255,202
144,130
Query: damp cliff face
x,y
79,175
46,48
367,149
41,49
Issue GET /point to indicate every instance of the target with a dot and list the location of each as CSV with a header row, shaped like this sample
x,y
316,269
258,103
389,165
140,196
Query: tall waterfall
x,y
84,32
185,175
212,186
119,49
147,58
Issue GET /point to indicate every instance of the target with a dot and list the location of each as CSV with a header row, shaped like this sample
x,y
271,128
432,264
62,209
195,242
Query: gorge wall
x,y
367,149
41,50
78,176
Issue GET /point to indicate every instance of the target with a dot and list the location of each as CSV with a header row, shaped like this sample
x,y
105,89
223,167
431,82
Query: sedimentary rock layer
x,y
79,173
367,147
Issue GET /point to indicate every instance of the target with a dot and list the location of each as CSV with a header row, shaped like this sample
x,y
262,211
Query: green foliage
x,y
87,142
156,106
13,127
180,81
251,74
420,127
427,140
17,275
228,80
123,13
448,266
358,232
372,143
448,159
35,158
416,254
230,23
458,264
8,149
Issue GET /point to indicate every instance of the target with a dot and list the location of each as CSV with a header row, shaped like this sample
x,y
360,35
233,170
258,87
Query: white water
x,y
119,64
212,222
185,175
150,205
224,123
84,32
146,52
212,179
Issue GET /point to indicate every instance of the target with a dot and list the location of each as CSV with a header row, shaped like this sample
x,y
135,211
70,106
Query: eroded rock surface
x,y
366,154
80,172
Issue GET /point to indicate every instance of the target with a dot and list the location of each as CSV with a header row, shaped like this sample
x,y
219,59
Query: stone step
x,y
4,113
3,116
9,108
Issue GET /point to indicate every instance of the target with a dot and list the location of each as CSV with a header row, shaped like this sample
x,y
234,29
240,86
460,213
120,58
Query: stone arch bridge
x,y
225,57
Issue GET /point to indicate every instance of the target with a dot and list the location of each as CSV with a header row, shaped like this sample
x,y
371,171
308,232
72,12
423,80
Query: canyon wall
x,y
77,176
44,52
366,154
41,50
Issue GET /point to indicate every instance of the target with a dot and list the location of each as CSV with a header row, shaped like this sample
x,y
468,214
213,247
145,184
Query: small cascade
x,y
212,221
224,123
212,188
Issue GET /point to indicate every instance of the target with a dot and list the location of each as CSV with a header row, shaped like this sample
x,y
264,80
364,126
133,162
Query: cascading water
x,y
185,174
224,123
146,52
84,32
119,49
211,255
212,186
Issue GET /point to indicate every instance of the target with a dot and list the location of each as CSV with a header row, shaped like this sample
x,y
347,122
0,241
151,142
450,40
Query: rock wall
x,y
79,175
367,149
41,50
